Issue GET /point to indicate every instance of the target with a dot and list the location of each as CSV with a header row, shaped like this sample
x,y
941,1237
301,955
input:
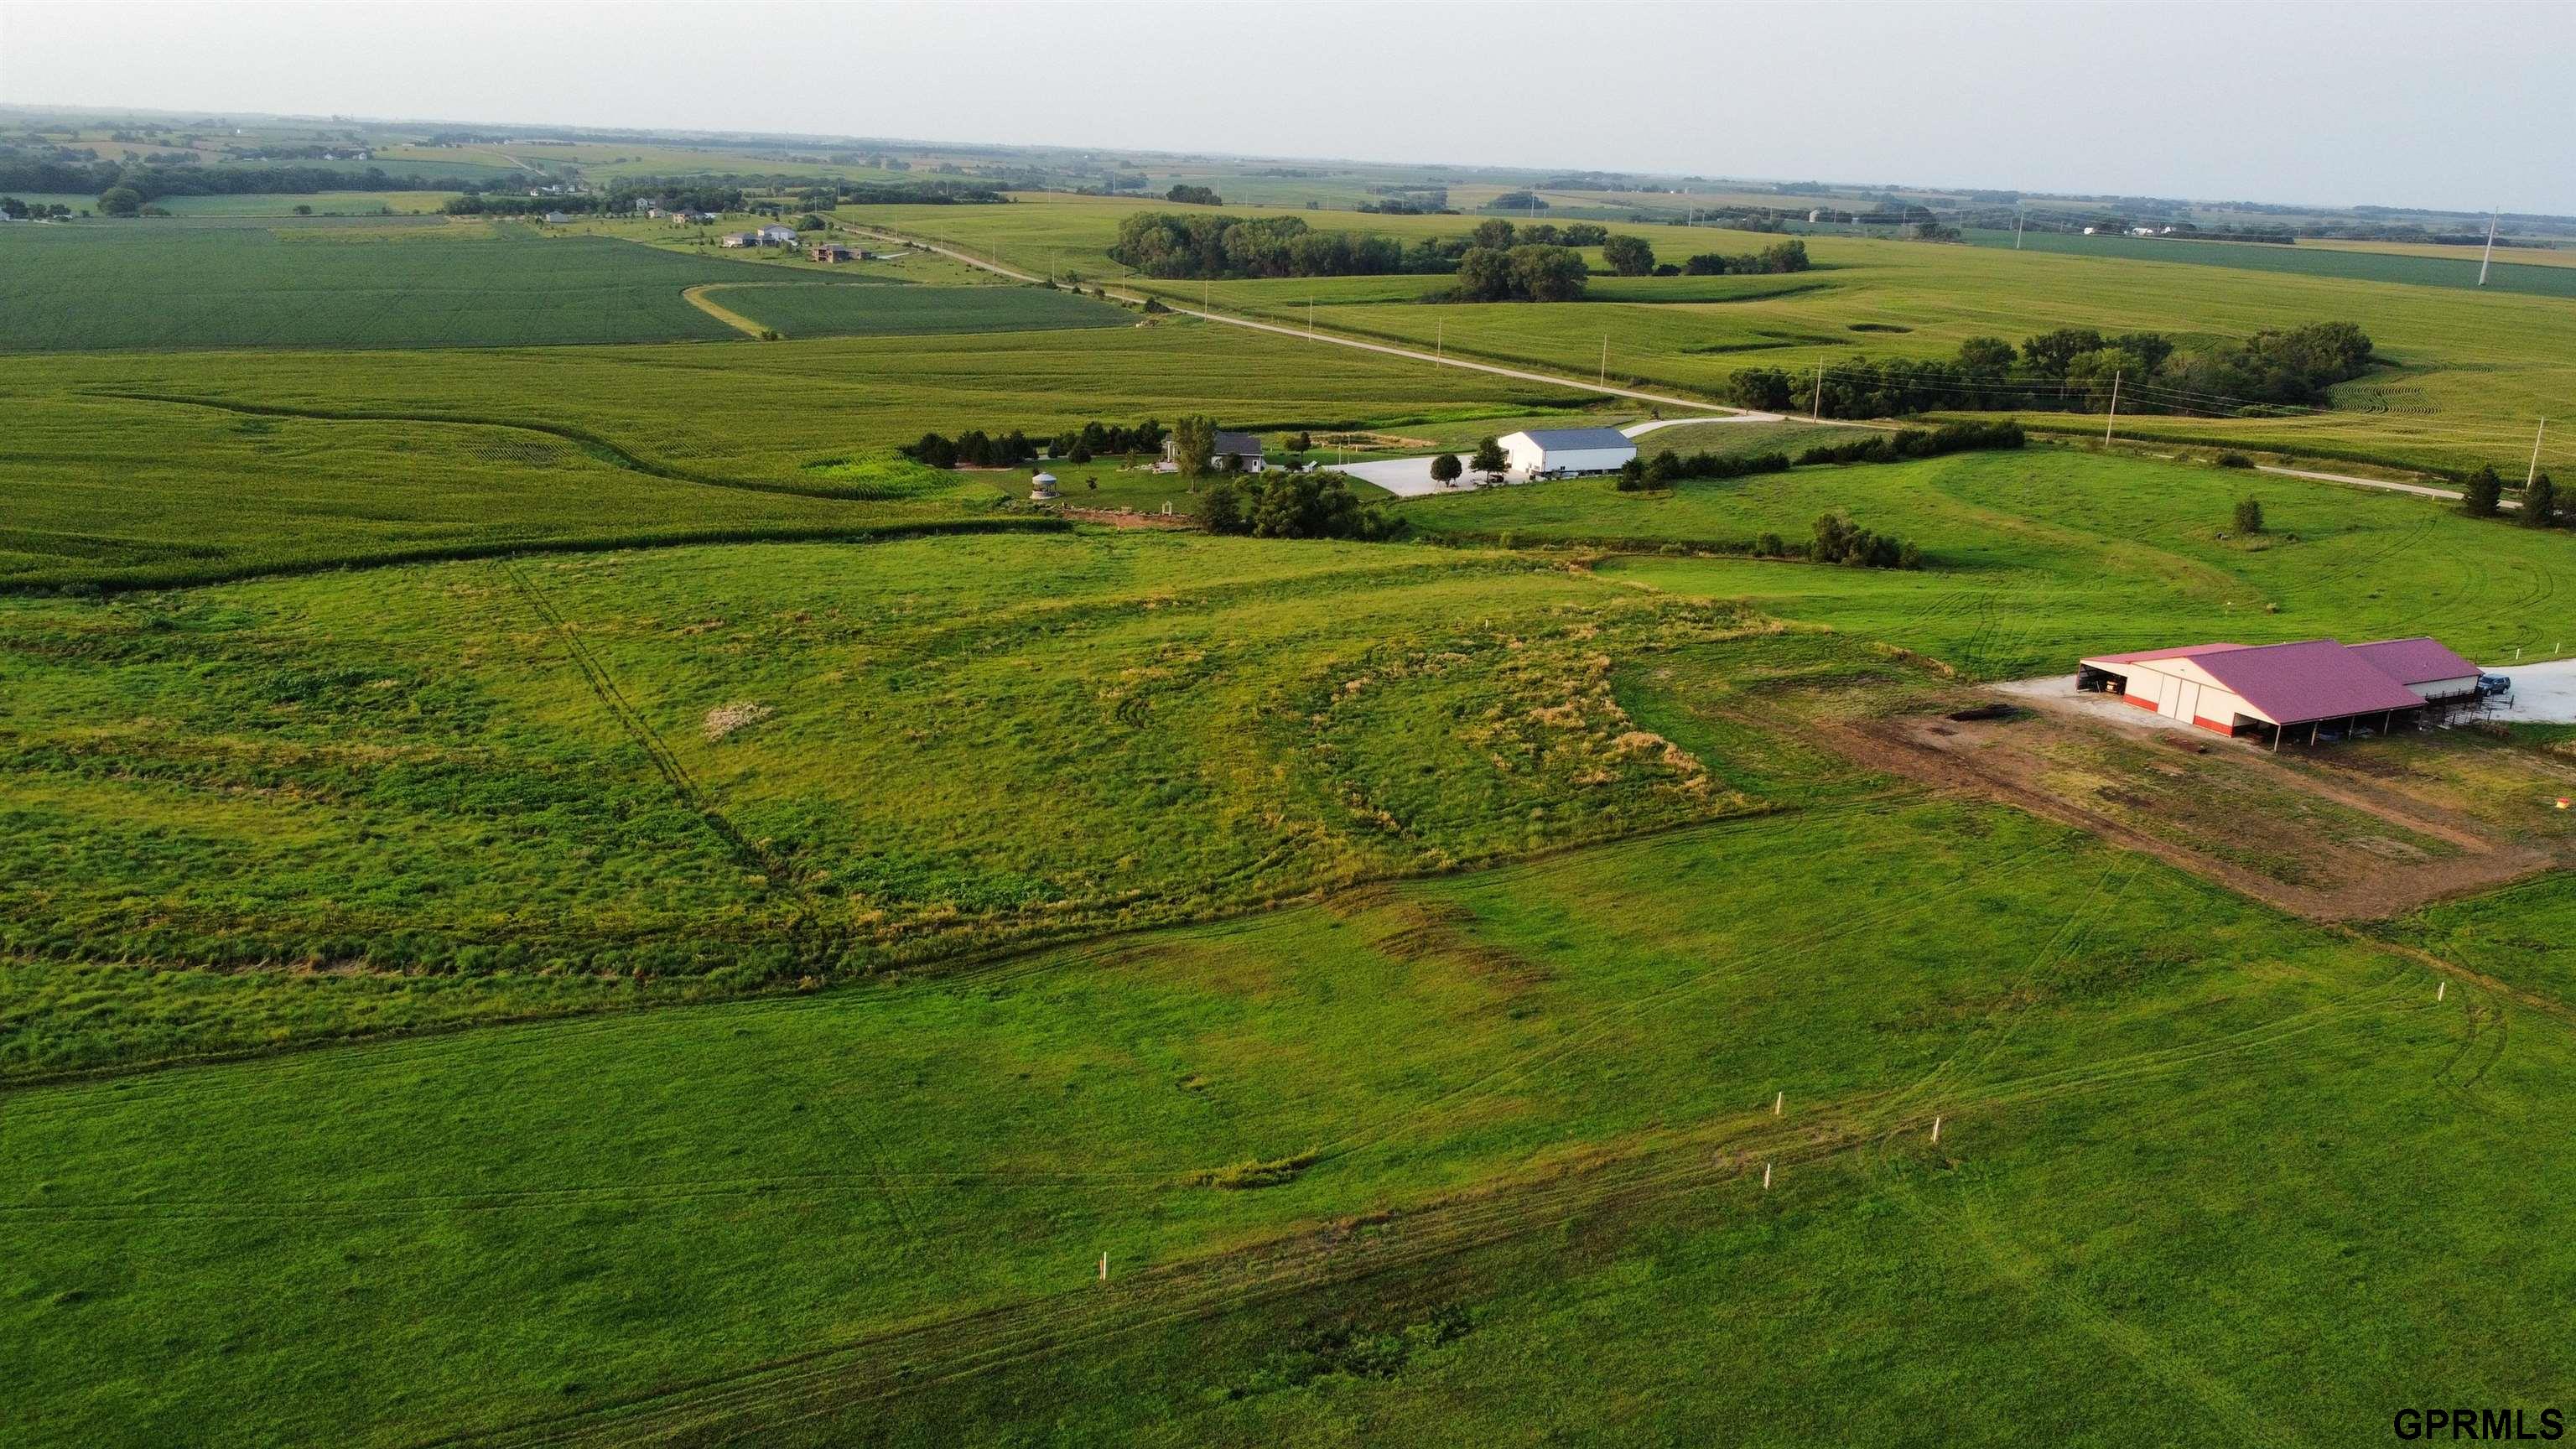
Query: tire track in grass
x,y
762,1399
815,943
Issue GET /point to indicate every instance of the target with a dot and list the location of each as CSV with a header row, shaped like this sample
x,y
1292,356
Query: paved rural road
x,y
1716,412
2418,489
1339,341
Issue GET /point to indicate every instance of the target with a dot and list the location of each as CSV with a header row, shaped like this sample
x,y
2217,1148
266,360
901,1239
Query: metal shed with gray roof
x,y
1564,452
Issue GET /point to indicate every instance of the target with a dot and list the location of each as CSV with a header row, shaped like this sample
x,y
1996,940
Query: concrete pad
x,y
2543,693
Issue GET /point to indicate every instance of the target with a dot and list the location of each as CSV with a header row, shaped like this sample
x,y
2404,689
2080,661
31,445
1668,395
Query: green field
x,y
812,311
2036,557
569,894
2457,269
85,288
1548,1088
2469,372
774,411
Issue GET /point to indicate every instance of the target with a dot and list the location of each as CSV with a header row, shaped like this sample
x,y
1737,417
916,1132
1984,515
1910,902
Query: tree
x,y
2249,515
1193,196
1547,274
1446,468
1221,507
1484,275
1632,476
1495,233
2540,502
1629,256
1194,445
120,201
2483,495
1489,459
303,210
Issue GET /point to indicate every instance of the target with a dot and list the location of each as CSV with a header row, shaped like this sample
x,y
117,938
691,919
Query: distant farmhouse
x,y
1241,446
777,236
830,252
2268,691
739,239
1565,452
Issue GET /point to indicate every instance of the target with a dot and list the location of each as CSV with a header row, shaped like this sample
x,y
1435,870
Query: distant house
x,y
1243,446
739,239
2090,230
556,218
1561,452
829,252
691,218
777,236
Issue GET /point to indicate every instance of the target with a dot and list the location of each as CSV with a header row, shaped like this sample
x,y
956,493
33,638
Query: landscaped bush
x,y
1841,541
1292,505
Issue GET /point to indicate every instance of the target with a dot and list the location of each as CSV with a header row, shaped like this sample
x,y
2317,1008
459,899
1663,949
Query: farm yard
x,y
566,878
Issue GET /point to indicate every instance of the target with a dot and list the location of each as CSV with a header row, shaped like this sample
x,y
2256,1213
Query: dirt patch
x,y
2282,831
724,719
1129,518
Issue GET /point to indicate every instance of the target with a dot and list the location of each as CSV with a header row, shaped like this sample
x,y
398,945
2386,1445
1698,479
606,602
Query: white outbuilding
x,y
1564,452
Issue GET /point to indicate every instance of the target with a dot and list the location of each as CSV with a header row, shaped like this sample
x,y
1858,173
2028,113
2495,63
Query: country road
x,y
1389,349
1716,410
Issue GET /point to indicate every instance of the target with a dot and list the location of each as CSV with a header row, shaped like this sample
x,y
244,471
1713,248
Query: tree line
x,y
2074,369
976,448
150,182
1787,256
1175,246
1669,467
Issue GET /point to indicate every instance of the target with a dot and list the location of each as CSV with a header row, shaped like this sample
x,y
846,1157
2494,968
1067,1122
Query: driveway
x,y
1411,477
2542,693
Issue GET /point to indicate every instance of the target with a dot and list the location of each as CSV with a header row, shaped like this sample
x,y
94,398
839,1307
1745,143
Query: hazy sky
x,y
2448,105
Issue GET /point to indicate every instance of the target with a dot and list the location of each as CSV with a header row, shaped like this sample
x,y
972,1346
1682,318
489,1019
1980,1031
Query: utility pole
x,y
1440,342
1816,399
2019,218
1604,379
2115,410
2492,218
2533,471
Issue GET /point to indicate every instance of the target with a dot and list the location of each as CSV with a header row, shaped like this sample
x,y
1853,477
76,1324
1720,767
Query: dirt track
x,y
2010,760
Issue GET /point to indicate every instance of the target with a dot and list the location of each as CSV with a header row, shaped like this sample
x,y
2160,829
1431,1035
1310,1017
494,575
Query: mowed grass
x,y
2470,371
759,413
812,311
137,287
1548,1089
721,769
2038,556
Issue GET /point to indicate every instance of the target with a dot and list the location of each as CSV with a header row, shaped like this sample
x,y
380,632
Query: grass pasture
x,y
520,770
564,894
2041,555
1555,1079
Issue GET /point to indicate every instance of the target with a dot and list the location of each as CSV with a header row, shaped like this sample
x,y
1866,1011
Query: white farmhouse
x,y
1565,451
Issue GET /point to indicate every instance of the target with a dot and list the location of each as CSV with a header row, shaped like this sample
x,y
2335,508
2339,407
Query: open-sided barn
x,y
2267,691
